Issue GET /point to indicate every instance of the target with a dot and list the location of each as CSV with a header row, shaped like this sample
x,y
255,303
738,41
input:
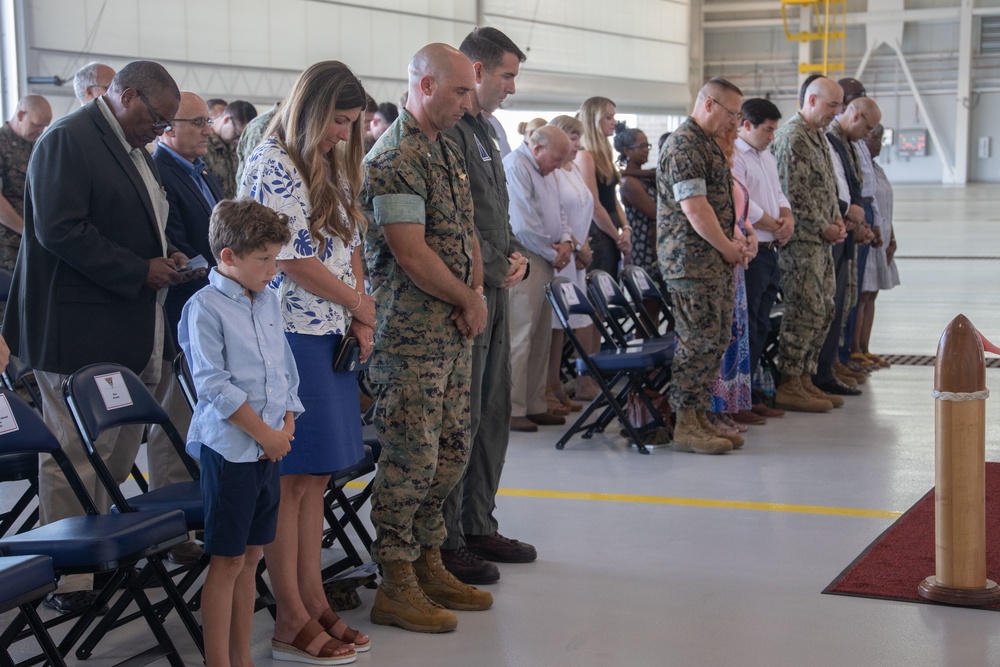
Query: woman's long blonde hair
x,y
303,124
594,140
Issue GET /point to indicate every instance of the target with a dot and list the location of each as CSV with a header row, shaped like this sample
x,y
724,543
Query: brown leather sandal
x,y
297,650
329,618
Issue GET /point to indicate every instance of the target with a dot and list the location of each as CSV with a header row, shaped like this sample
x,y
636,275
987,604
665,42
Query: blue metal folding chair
x,y
101,397
93,543
24,582
619,372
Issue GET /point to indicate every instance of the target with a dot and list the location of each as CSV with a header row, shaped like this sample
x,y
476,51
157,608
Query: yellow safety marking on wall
x,y
688,502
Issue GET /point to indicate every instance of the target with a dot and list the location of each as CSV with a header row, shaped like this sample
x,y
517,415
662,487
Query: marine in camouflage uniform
x,y
421,368
14,155
221,161
252,135
700,281
808,181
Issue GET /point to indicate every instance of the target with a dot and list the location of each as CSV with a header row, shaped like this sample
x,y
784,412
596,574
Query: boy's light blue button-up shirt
x,y
238,354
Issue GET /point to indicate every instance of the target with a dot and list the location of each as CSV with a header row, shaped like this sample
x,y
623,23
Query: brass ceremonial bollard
x,y
960,471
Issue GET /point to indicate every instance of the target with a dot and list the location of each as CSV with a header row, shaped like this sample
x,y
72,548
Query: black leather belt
x,y
770,245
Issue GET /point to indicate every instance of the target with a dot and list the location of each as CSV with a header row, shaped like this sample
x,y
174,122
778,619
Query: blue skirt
x,y
328,433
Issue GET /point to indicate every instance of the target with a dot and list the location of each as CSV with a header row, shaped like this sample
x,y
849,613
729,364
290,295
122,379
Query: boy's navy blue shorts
x,y
241,503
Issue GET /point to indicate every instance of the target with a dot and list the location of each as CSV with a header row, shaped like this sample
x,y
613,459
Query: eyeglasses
x,y
868,123
160,124
645,146
735,114
199,122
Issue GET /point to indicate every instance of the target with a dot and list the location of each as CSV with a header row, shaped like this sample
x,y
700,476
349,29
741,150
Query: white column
x,y
963,103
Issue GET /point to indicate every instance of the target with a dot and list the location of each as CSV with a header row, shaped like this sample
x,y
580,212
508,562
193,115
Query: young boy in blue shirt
x,y
233,337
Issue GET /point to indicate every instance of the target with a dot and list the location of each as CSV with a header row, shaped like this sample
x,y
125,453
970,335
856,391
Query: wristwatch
x,y
485,302
578,247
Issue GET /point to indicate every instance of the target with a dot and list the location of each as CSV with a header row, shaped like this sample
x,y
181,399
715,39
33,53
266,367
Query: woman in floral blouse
x,y
309,168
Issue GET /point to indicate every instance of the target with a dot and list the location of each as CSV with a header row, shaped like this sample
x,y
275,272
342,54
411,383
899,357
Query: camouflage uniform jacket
x,y
252,135
221,161
692,165
410,179
14,155
807,178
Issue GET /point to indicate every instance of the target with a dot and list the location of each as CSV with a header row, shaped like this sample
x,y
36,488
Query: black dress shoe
x,y
68,603
547,419
837,388
469,568
500,549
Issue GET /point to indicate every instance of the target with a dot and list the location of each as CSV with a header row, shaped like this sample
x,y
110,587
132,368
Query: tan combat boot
x,y
813,390
858,376
791,395
843,377
708,427
399,601
689,436
442,587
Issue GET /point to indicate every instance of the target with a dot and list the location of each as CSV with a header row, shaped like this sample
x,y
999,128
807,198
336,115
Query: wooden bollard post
x,y
960,471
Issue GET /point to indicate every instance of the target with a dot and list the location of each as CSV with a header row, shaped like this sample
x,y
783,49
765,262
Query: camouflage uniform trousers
x,y
422,420
809,286
703,311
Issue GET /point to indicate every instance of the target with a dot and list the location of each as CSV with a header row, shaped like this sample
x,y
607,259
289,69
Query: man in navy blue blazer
x,y
192,192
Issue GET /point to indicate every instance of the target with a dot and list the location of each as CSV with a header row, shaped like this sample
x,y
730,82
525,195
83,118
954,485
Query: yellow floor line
x,y
688,502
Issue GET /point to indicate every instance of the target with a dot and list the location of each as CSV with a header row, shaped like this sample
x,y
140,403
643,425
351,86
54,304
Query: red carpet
x,y
894,564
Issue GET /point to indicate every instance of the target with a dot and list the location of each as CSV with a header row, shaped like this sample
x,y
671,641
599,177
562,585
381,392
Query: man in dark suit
x,y
192,192
92,270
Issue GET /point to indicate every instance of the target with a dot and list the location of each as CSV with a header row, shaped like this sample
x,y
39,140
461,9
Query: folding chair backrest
x,y
182,371
641,286
568,300
614,307
108,395
105,396
17,374
23,431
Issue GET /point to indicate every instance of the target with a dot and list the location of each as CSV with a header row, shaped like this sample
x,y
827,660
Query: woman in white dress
x,y
577,205
880,271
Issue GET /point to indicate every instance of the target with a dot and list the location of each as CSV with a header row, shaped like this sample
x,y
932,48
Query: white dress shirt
x,y
759,172
535,215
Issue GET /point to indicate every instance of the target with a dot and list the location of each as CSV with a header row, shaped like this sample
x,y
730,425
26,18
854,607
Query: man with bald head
x,y
846,137
697,252
17,138
426,275
192,192
845,128
91,81
546,236
809,182
92,274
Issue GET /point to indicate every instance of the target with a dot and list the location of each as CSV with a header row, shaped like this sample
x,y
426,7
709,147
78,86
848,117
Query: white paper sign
x,y
7,422
606,285
569,292
643,282
113,390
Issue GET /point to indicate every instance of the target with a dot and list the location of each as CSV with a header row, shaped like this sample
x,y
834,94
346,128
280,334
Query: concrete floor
x,y
678,564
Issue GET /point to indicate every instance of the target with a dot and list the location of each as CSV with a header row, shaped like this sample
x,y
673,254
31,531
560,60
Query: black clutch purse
x,y
348,357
